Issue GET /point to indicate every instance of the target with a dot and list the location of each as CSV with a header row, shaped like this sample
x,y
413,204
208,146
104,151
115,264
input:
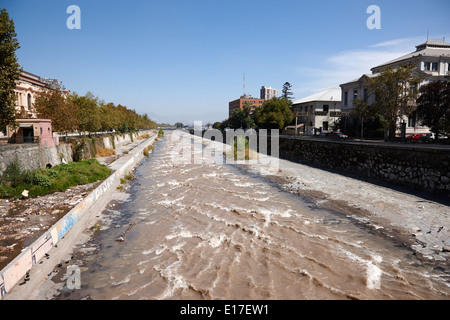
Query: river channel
x,y
216,231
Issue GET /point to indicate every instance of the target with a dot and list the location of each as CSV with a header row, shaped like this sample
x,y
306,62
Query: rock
x,y
446,249
331,220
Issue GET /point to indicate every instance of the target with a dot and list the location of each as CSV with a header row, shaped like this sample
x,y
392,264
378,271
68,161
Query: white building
x,y
319,111
268,93
432,60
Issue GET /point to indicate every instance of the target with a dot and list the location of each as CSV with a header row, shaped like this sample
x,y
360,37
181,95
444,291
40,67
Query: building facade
x,y
27,89
318,113
29,128
240,103
432,61
268,93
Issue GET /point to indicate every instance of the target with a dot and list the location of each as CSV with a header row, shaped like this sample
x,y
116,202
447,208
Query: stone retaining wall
x,y
413,167
34,156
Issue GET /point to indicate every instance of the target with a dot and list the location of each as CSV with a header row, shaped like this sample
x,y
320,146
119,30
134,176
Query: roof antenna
x,y
427,35
244,83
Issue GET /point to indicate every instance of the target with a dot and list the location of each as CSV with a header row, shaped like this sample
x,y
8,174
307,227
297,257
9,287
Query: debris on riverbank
x,y
23,220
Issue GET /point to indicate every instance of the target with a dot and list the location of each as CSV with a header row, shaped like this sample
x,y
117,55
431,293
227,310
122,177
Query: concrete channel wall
x,y
420,167
31,255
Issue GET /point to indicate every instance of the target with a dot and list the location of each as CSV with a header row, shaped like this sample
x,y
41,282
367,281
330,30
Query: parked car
x,y
439,137
337,135
419,137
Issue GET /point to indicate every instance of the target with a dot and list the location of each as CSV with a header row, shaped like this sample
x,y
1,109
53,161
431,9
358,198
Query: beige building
x,y
26,91
432,60
29,128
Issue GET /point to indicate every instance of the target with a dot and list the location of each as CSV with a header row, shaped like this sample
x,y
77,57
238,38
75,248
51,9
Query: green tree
x,y
109,117
241,119
10,69
286,91
179,125
274,114
394,92
433,106
53,104
88,112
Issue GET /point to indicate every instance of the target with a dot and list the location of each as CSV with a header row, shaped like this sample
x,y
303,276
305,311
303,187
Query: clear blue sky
x,y
171,58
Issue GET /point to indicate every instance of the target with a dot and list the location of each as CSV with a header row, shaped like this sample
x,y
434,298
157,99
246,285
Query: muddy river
x,y
216,231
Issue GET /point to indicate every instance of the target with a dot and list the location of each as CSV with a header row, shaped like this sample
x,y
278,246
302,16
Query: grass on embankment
x,y
45,181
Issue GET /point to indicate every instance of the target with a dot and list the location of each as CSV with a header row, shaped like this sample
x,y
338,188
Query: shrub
x,y
104,152
58,178
13,173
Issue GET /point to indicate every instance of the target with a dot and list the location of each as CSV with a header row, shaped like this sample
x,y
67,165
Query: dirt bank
x,y
23,220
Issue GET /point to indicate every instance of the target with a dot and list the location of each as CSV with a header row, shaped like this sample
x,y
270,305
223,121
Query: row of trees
x,y
71,112
68,112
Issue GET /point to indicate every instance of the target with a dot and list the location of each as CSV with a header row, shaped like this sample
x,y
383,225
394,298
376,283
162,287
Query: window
x,y
325,125
346,97
29,101
426,66
365,95
412,120
355,94
434,66
326,108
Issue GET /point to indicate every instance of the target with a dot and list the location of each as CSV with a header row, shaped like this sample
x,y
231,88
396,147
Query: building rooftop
x,y
368,75
430,48
332,94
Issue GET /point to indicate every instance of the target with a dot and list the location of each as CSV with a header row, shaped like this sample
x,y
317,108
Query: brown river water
x,y
216,231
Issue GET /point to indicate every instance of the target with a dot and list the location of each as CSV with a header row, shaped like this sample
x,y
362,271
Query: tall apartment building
x,y
268,93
